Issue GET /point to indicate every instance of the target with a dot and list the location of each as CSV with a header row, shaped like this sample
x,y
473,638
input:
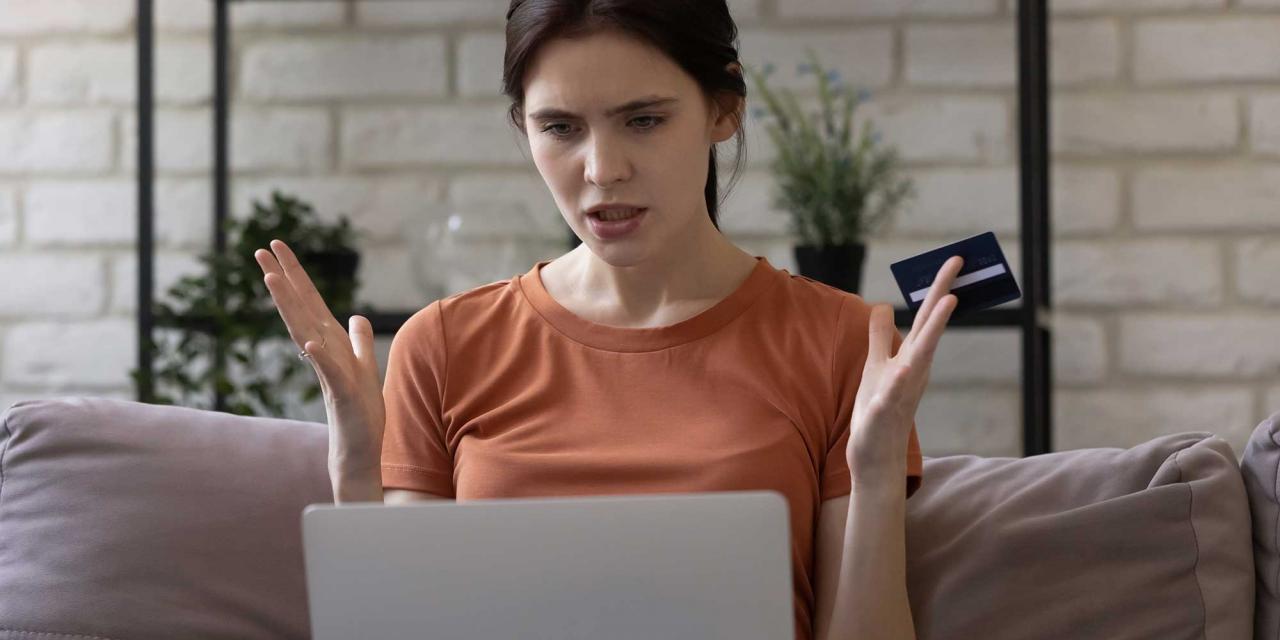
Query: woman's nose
x,y
606,163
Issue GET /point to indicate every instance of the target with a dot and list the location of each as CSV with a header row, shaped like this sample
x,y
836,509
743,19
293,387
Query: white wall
x,y
1167,179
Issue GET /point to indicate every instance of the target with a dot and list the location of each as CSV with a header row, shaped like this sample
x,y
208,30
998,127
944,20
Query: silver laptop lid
x,y
628,567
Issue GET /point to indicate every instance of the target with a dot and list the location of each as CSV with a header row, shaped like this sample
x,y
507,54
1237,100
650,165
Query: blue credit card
x,y
984,281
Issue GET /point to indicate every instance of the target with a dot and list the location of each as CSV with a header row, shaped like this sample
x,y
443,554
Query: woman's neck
x,y
657,291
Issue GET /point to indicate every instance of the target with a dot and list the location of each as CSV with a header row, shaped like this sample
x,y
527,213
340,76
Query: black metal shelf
x,y
1034,190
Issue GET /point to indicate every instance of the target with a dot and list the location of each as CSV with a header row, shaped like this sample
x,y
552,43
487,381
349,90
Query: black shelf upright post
x,y
146,208
220,164
1035,159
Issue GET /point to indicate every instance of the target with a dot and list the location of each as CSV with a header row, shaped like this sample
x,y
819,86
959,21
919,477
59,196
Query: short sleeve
x,y
414,450
848,358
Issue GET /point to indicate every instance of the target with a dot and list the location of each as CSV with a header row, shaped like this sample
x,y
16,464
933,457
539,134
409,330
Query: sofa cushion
x,y
1258,466
125,520
1147,542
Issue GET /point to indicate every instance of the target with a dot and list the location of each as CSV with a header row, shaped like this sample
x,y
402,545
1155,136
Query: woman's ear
x,y
729,110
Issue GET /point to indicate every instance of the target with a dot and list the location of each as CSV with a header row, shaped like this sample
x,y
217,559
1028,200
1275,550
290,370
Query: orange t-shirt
x,y
501,392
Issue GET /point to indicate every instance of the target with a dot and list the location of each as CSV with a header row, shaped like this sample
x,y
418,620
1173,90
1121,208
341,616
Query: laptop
x,y
622,567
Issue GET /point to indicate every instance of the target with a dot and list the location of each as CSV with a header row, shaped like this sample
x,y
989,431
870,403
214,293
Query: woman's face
x,y
589,152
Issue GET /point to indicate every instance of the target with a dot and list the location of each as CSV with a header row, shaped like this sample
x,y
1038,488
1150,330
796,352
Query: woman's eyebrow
x,y
635,105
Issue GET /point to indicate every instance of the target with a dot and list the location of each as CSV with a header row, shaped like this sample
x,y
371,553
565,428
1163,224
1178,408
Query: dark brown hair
x,y
698,35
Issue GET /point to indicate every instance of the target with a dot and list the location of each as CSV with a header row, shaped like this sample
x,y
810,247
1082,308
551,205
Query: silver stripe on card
x,y
966,279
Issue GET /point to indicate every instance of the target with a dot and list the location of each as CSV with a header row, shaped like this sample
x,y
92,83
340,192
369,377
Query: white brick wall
x,y
951,422
1113,273
1126,417
1166,125
1264,123
1084,51
883,8
410,13
81,213
287,139
314,68
31,279
75,17
1085,199
197,15
959,129
862,55
56,141
8,216
1193,7
82,73
1210,50
375,138
9,75
969,55
1209,196
1231,345
480,64
1256,265
982,55
1147,123
87,353
167,269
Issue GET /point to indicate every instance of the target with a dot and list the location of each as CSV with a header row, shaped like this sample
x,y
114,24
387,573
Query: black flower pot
x,y
837,265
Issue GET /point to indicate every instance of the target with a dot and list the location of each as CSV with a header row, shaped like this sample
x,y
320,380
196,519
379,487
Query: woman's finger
x,y
322,362
297,321
361,331
941,286
297,315
927,343
880,334
302,285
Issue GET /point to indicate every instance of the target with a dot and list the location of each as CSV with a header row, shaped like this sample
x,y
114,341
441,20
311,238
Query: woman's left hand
x,y
891,386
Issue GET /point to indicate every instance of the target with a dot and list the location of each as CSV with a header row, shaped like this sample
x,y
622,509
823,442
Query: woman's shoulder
x,y
489,300
811,294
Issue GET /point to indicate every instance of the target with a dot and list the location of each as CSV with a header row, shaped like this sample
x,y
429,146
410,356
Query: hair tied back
x,y
515,4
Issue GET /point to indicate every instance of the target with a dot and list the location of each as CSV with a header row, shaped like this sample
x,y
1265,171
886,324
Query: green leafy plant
x,y
247,317
837,184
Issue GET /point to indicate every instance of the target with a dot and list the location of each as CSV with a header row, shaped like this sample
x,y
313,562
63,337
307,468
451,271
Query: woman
x,y
655,357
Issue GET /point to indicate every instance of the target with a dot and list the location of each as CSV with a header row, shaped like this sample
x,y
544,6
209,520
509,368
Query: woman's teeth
x,y
616,214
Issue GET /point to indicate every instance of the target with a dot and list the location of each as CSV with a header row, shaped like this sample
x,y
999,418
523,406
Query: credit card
x,y
984,281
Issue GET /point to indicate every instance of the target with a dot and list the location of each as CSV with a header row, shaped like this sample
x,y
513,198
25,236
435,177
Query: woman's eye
x,y
656,120
555,132
551,128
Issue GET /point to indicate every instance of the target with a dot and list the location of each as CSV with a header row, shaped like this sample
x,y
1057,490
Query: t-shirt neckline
x,y
627,339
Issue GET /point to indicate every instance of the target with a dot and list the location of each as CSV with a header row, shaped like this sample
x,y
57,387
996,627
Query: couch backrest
x,y
1147,542
1258,467
132,521
121,520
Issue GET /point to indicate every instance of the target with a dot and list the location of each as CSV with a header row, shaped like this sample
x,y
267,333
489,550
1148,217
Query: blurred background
x,y
1166,182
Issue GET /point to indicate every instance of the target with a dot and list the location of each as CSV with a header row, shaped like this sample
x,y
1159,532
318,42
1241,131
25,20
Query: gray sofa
x,y
126,521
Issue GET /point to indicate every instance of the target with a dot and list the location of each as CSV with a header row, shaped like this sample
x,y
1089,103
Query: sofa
x,y
128,521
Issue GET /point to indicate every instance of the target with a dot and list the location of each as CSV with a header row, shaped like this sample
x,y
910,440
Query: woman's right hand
x,y
343,360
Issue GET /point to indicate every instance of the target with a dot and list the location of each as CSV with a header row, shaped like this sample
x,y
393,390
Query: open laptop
x,y
627,567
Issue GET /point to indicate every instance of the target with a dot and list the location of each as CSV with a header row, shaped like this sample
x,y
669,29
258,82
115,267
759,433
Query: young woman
x,y
656,357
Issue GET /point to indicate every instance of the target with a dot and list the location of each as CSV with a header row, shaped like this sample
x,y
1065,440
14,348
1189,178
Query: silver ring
x,y
303,355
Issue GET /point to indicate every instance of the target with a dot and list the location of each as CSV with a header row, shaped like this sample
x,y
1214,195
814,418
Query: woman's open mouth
x,y
609,225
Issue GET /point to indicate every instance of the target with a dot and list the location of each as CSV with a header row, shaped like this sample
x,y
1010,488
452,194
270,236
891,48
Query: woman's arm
x,y
871,595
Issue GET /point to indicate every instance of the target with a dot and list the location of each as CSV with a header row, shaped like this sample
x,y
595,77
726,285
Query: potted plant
x,y
247,317
838,185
